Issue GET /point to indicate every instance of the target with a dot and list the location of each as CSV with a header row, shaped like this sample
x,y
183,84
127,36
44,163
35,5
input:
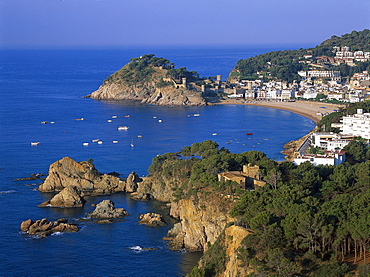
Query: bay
x,y
48,85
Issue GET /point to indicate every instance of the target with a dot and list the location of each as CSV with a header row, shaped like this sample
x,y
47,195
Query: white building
x,y
328,141
287,94
310,94
335,96
357,125
319,74
329,158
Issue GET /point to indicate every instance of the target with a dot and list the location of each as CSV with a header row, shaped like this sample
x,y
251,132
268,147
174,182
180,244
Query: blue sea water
x,y
48,85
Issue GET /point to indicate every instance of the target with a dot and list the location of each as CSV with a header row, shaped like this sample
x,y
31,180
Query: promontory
x,y
152,80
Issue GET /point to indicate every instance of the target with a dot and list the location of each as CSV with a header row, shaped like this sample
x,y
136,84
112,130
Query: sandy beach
x,y
312,110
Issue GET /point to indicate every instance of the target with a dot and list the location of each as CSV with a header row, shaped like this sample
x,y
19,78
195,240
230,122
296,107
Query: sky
x,y
128,23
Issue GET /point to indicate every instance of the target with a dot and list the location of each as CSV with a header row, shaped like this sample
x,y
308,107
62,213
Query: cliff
x,y
150,80
202,217
221,259
201,221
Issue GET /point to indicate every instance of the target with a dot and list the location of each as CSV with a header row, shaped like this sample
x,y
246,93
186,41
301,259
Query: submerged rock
x,y
44,227
106,210
69,197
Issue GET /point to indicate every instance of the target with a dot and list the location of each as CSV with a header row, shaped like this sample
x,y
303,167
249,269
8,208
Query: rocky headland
x,y
202,217
150,80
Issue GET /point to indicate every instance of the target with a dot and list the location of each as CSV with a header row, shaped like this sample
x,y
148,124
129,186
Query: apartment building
x,y
356,125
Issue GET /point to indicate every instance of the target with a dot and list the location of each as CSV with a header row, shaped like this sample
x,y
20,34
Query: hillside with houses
x,y
336,70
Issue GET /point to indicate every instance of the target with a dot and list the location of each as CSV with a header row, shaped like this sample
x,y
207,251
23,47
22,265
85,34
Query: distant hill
x,y
284,65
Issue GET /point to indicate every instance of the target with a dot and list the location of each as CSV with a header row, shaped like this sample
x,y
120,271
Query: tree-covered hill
x,y
141,69
355,40
284,65
306,220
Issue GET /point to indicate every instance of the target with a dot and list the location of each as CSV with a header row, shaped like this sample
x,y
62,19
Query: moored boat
x,y
123,128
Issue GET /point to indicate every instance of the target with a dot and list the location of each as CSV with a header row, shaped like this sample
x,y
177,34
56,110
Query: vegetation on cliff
x,y
284,65
197,167
306,220
152,80
141,69
314,220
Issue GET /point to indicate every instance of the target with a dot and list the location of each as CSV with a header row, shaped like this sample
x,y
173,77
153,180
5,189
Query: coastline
x,y
305,108
311,110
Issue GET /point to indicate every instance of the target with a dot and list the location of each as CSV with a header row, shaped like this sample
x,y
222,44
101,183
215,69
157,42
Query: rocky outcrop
x,y
106,210
152,219
44,227
149,94
235,236
157,187
82,175
201,222
69,197
132,182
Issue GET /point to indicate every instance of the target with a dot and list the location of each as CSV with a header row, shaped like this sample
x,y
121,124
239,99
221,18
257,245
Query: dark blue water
x,y
38,86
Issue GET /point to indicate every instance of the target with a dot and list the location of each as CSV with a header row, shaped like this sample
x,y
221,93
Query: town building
x,y
250,177
328,141
319,74
328,158
357,125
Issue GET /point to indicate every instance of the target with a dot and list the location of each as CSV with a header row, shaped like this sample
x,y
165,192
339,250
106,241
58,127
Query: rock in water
x,y
69,197
83,175
152,219
106,210
131,182
44,227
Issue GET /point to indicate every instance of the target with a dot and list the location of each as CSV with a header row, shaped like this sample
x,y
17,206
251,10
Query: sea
x,y
48,86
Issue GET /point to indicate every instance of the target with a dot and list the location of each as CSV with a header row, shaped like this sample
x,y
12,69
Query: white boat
x,y
196,114
123,128
115,141
160,120
214,134
100,142
109,120
139,136
95,140
114,116
85,144
35,143
132,143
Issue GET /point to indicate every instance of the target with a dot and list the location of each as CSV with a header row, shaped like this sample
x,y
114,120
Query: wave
x,y
7,191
